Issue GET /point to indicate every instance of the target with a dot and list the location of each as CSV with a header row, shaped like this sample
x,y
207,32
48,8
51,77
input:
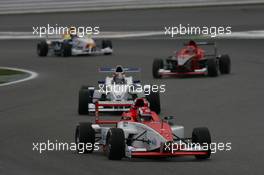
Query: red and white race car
x,y
192,60
142,133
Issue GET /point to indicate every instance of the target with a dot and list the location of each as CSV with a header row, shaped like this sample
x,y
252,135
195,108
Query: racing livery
x,y
142,133
192,60
73,45
114,94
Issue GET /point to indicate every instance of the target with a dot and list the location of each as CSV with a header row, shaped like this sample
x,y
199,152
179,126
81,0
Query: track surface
x,y
45,108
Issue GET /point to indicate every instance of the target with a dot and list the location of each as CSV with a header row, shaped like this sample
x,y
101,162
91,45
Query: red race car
x,y
142,133
193,60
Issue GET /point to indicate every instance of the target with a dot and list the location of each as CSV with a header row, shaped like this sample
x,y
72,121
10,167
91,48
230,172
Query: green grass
x,y
4,72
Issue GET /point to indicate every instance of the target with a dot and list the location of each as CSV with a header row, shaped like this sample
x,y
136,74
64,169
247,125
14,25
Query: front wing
x,y
142,152
168,73
91,52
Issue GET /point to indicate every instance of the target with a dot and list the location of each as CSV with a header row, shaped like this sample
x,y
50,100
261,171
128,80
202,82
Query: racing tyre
x,y
224,64
156,66
42,49
115,144
154,101
107,43
202,136
85,97
212,67
66,49
85,136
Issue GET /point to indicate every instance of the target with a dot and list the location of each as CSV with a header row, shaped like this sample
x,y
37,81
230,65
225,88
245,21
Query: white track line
x,y
254,34
29,35
32,75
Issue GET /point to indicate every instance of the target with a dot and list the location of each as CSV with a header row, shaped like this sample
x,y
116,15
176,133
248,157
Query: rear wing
x,y
112,70
106,104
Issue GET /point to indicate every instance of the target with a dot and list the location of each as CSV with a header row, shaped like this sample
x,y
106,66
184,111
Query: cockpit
x,y
119,76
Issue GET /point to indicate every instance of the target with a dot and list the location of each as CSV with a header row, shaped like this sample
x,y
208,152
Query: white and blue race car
x,y
115,93
72,46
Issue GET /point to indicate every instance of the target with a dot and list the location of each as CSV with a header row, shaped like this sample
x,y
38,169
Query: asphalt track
x,y
46,108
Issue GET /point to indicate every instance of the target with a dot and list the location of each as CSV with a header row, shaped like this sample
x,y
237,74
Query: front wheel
x,y
202,136
224,64
115,144
212,67
42,49
156,66
85,97
85,137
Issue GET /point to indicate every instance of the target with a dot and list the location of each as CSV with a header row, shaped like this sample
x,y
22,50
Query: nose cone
x,y
163,129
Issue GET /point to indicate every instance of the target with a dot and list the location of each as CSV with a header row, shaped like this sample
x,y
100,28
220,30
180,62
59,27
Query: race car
x,y
142,133
192,60
115,93
73,45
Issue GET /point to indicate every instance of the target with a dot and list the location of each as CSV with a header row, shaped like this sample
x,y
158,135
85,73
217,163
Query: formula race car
x,y
73,45
192,60
115,93
141,133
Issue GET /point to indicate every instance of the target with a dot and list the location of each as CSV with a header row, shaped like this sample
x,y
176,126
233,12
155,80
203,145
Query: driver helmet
x,y
144,114
192,47
119,75
192,43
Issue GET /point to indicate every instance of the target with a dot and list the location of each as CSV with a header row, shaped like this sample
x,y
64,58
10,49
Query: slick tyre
x,y
115,144
107,44
156,66
224,64
154,101
85,137
42,49
202,136
85,97
212,67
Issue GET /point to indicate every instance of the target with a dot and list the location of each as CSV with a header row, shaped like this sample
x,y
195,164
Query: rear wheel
x,y
154,101
156,66
85,137
107,44
42,49
115,144
202,136
224,64
212,67
85,97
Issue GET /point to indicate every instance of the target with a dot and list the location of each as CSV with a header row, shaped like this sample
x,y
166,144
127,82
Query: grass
x,y
6,75
4,72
